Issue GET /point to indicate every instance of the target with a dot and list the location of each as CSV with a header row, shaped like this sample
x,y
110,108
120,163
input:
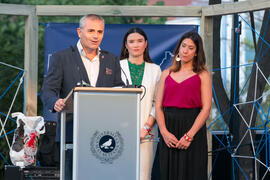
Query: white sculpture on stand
x,y
25,140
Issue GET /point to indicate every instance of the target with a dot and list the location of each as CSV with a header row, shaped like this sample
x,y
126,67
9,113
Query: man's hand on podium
x,y
59,105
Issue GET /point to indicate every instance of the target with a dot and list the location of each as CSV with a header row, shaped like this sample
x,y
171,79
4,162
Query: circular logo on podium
x,y
106,146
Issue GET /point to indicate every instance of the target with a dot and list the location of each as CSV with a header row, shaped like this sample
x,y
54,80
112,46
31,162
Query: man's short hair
x,y
91,17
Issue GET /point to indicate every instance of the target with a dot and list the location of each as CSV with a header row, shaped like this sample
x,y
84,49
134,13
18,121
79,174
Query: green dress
x,y
136,73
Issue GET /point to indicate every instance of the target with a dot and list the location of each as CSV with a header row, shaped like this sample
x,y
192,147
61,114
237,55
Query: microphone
x,y
127,81
128,85
83,84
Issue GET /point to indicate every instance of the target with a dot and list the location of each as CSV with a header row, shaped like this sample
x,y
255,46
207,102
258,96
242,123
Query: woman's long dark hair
x,y
124,51
199,60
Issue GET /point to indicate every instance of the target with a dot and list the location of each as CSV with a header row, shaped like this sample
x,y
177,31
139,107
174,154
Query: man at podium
x,y
84,64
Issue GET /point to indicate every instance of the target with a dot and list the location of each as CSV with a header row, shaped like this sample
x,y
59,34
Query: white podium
x,y
106,135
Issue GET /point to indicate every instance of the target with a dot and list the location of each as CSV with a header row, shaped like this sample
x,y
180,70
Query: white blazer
x,y
150,80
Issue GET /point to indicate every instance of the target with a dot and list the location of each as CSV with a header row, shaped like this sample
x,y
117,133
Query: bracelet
x,y
147,128
187,138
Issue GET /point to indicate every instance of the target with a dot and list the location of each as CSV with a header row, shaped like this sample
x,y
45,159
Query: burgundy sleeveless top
x,y
186,94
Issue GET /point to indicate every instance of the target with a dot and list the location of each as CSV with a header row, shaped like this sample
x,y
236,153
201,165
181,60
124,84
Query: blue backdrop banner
x,y
161,40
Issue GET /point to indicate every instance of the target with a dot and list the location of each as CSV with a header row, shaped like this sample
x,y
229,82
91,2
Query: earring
x,y
178,58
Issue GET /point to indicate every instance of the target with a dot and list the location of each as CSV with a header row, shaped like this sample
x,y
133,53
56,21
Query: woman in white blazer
x,y
140,70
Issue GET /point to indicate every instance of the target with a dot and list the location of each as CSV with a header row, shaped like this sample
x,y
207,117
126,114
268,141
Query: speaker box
x,y
31,173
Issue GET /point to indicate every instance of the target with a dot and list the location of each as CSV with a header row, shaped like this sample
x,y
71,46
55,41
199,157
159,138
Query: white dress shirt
x,y
91,66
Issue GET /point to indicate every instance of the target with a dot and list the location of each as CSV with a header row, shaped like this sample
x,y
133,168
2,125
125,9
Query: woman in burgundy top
x,y
183,104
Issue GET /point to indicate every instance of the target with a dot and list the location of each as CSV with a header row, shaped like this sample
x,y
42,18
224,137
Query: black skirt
x,y
179,164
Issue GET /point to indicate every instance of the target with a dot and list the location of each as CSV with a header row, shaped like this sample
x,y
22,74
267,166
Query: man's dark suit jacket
x,y
67,70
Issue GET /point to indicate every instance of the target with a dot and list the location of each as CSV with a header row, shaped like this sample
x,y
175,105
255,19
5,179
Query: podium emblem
x,y
106,146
